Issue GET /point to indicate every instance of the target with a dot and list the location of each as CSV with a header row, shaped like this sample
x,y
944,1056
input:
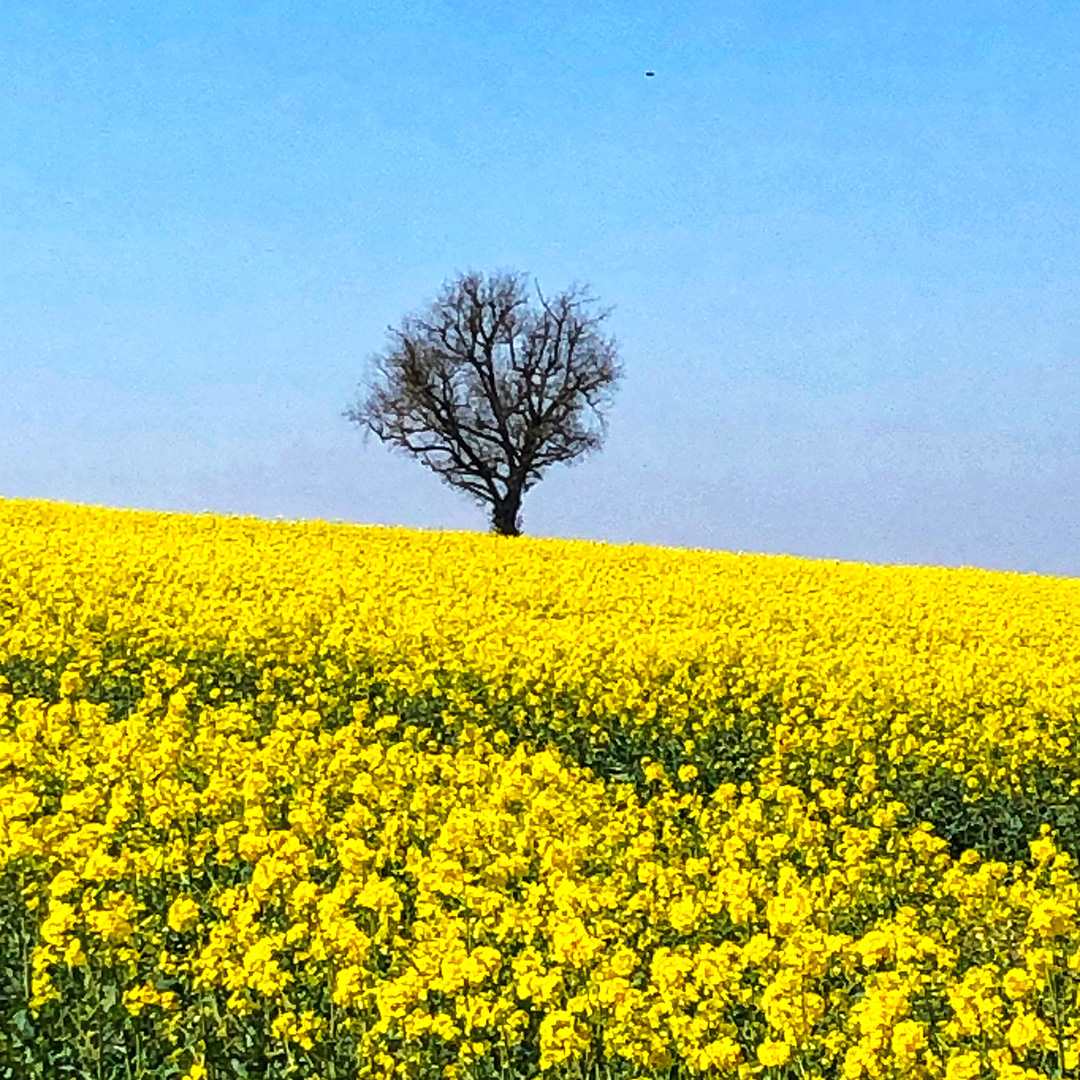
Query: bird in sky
x,y
650,74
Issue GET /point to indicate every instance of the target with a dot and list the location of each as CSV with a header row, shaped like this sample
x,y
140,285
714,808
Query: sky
x,y
841,243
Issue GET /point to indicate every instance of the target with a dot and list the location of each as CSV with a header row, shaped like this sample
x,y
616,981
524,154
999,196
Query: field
x,y
315,801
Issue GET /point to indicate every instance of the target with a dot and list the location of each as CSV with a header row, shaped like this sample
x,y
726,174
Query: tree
x,y
488,390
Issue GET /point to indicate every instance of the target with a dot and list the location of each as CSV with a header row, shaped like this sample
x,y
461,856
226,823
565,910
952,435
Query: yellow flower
x,y
183,914
1017,983
301,1029
773,1054
1051,918
61,920
1043,849
1006,1069
757,949
448,879
561,1037
860,1059
654,771
348,985
73,953
1027,1030
791,904
137,998
876,946
908,1038
963,1067
71,683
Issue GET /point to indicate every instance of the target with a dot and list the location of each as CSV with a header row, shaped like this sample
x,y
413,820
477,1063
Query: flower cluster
x,y
376,803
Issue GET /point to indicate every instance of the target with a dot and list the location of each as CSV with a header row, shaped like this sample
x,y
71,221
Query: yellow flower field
x,y
308,800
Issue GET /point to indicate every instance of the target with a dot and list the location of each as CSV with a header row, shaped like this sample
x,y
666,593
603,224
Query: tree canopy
x,y
488,389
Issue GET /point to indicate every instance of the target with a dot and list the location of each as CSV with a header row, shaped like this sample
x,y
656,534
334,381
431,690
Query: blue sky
x,y
841,241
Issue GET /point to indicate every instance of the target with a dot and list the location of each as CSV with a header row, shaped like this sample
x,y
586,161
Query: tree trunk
x,y
506,515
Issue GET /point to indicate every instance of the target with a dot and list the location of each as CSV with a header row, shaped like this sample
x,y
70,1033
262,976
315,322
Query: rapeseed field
x,y
317,801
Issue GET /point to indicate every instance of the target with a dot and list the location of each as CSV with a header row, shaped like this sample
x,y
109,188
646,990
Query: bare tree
x,y
488,391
